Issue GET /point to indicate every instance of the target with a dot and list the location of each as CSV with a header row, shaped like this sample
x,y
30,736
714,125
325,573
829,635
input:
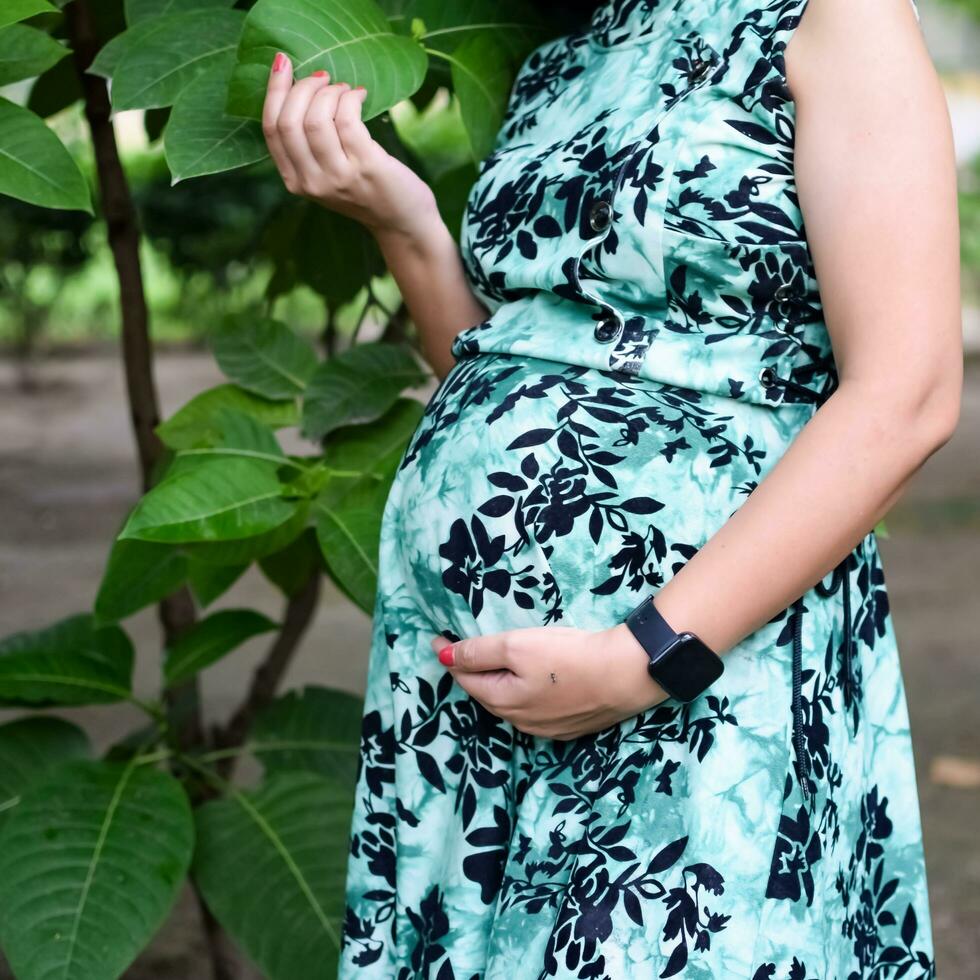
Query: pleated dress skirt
x,y
768,830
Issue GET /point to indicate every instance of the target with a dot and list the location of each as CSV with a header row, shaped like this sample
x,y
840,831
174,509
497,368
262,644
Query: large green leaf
x,y
201,138
349,38
210,639
91,862
290,568
271,865
138,574
219,500
378,447
348,528
264,356
317,729
140,10
195,423
359,385
236,433
247,550
323,249
26,52
12,11
55,89
29,747
209,581
70,662
170,53
482,75
35,166
514,24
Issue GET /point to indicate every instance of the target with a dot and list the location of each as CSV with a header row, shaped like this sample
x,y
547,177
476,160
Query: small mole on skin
x,y
554,680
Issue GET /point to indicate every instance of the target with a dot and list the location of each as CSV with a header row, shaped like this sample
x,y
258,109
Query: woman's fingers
x,y
321,129
290,125
354,136
280,82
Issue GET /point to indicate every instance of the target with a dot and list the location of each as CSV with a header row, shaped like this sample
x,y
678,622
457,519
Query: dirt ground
x,y
67,478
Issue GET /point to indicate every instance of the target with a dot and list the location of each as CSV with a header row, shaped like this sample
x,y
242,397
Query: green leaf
x,y
13,11
54,90
26,52
210,639
376,448
482,77
195,424
264,356
348,528
219,500
236,433
201,138
138,574
69,662
351,39
517,25
271,865
91,862
209,582
34,165
140,10
290,568
317,730
29,747
170,53
359,385
332,254
250,549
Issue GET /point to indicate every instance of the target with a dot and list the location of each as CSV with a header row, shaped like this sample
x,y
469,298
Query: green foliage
x,y
73,661
92,860
93,851
271,864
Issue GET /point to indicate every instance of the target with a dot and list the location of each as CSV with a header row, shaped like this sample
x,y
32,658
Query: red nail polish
x,y
446,656
319,73
279,62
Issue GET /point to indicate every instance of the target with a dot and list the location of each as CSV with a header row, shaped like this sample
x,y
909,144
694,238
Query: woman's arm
x,y
325,153
428,268
875,172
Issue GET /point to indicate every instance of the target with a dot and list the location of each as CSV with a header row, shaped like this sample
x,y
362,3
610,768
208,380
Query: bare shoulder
x,y
858,47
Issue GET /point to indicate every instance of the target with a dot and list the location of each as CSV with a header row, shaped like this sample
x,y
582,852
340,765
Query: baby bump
x,y
535,492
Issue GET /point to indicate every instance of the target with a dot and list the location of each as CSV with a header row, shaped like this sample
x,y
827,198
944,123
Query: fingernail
x,y
279,62
344,86
446,656
360,88
319,73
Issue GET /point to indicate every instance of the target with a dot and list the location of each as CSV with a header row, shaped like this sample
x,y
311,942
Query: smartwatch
x,y
681,663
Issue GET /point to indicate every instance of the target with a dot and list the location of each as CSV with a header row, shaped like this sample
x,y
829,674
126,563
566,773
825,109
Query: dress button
x,y
768,377
599,215
607,329
700,68
784,291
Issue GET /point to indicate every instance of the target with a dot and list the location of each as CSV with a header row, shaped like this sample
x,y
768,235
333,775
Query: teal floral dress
x,y
655,342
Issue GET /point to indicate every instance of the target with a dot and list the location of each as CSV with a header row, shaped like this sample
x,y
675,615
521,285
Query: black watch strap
x,y
650,628
681,663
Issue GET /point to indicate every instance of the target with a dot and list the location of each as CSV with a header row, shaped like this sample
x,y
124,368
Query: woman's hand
x,y
325,153
554,681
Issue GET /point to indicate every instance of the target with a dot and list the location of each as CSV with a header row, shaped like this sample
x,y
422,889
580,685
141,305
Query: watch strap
x,y
650,628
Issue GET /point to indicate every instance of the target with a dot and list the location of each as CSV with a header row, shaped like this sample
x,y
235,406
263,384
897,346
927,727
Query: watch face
x,y
686,667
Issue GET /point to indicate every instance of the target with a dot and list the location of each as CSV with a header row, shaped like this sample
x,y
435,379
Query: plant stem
x,y
176,611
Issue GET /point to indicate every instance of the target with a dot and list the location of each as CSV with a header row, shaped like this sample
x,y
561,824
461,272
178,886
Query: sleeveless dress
x,y
655,343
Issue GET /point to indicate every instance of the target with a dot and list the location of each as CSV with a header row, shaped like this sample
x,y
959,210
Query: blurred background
x,y
68,476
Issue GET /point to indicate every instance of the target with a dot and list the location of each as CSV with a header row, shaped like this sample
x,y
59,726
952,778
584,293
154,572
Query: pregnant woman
x,y
634,706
